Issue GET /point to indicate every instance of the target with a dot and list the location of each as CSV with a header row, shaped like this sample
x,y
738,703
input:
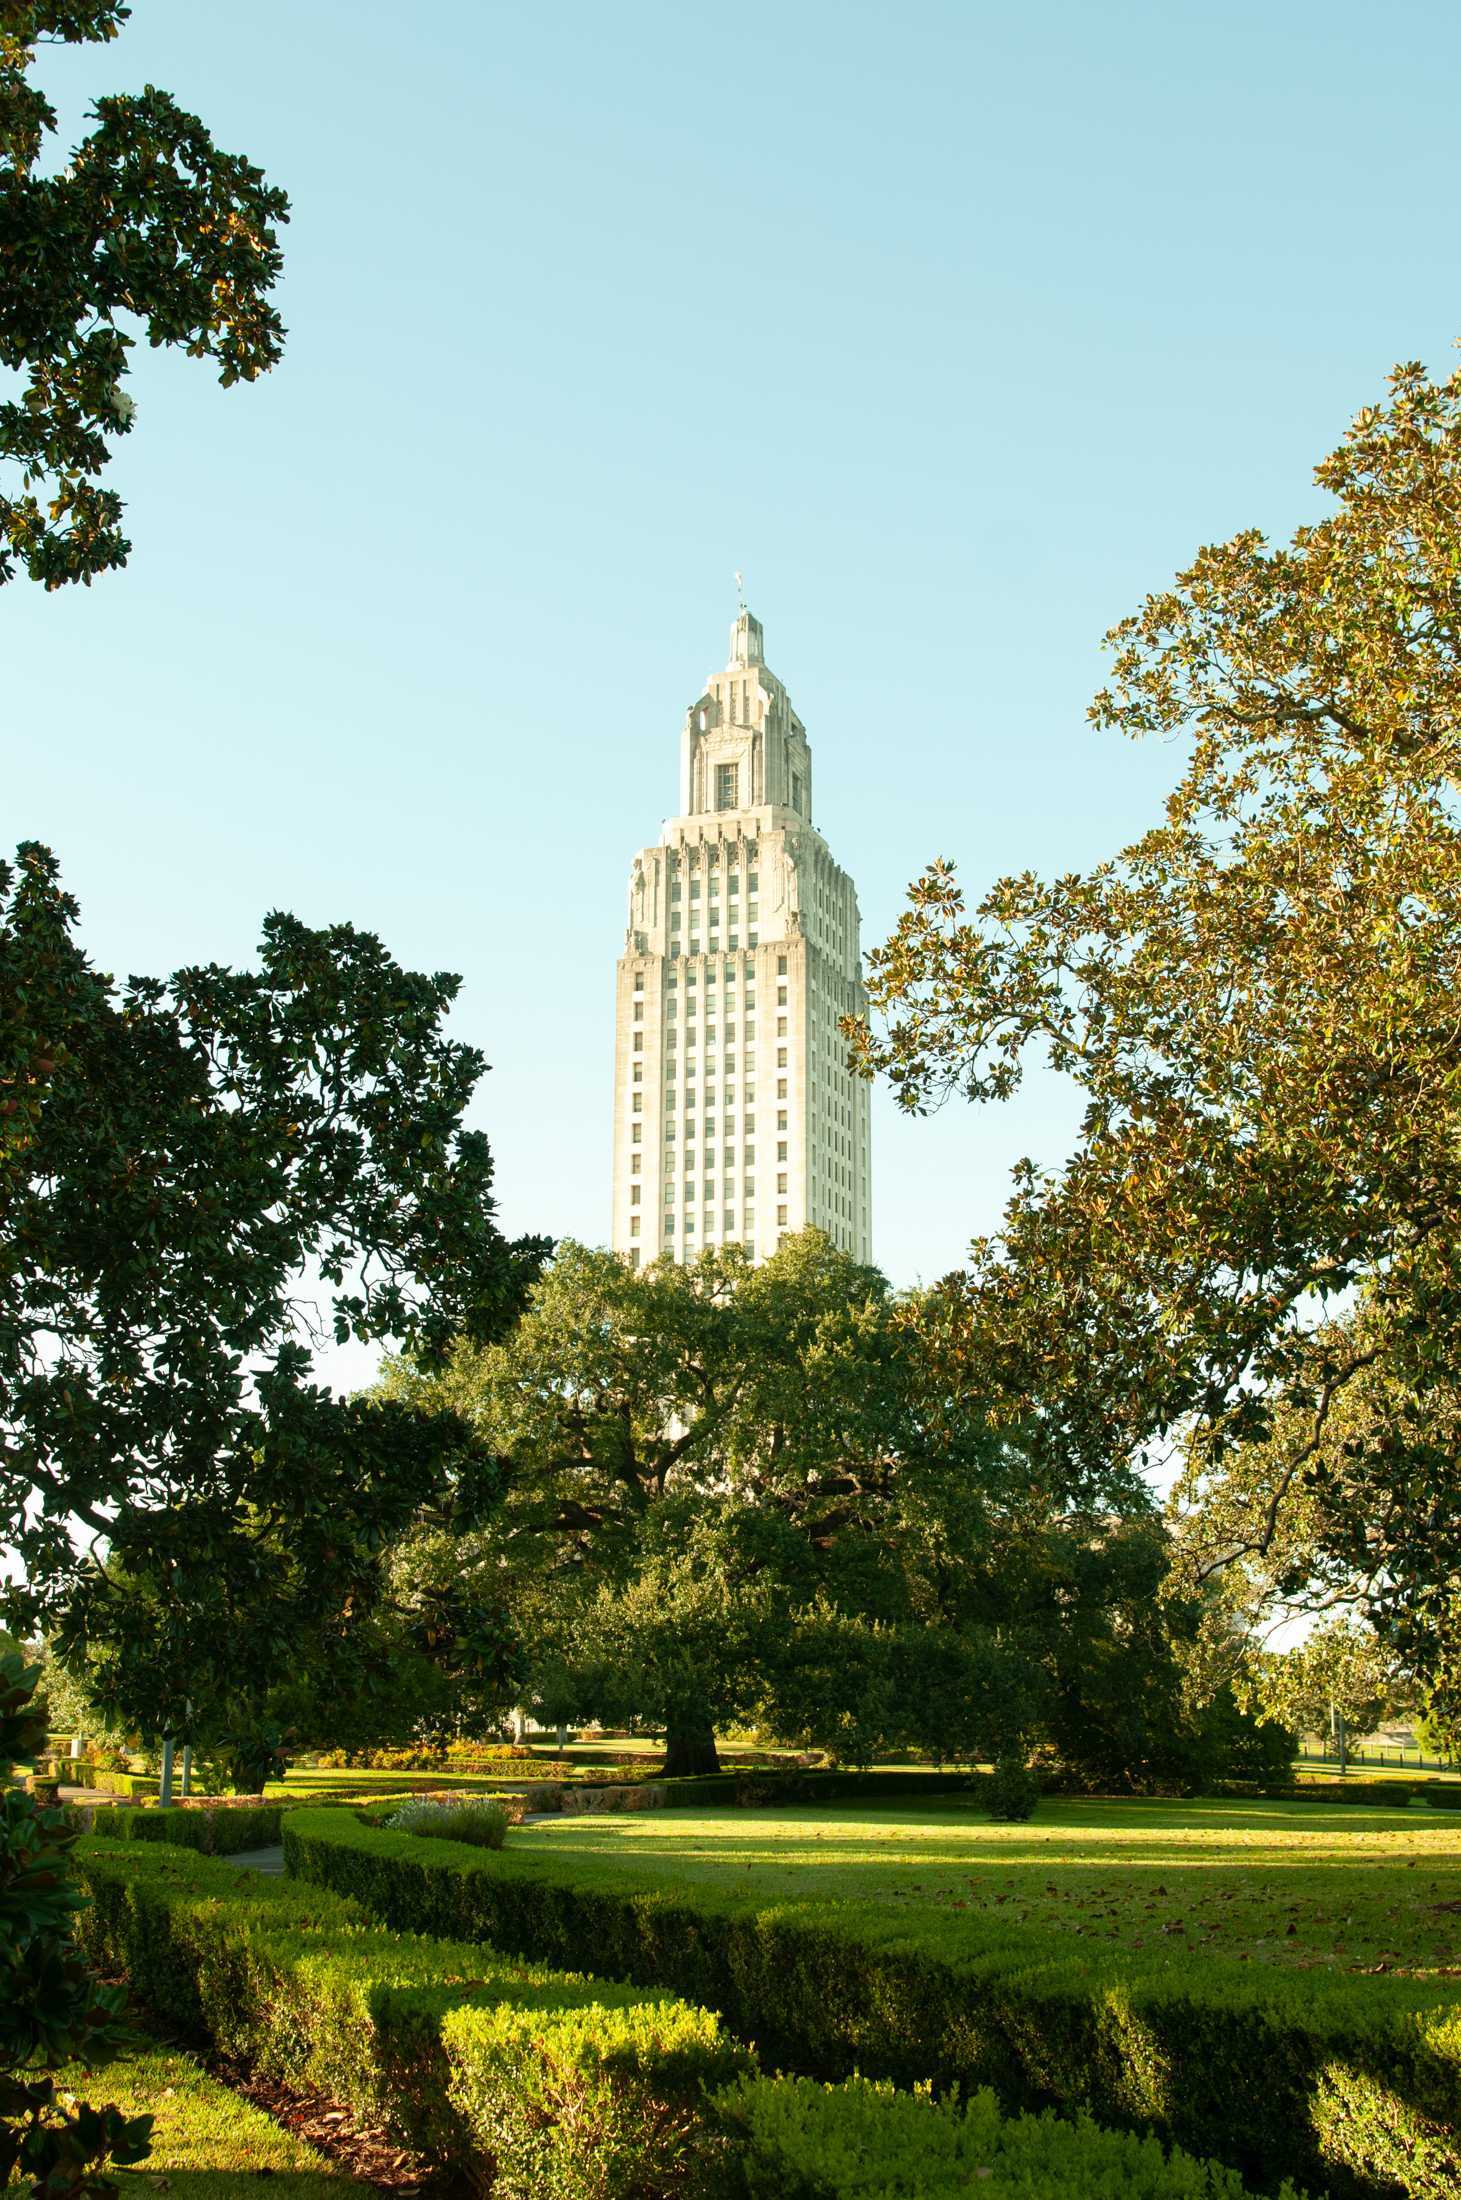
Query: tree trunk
x,y
689,1748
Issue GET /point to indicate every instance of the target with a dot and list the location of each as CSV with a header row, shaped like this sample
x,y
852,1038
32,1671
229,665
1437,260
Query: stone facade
x,y
735,1118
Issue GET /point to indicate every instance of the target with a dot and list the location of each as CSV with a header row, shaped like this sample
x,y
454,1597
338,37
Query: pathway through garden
x,y
269,1860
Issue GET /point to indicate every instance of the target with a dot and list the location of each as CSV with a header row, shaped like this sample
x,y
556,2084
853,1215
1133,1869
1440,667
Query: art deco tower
x,y
735,1118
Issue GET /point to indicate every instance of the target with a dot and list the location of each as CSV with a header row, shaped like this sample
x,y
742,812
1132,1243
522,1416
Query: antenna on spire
x,y
740,592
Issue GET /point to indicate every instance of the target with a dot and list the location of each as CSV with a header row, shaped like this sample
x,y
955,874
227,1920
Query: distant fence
x,y
1404,1760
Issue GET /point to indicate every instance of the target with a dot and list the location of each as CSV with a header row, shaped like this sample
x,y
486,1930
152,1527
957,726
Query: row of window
x,y
712,882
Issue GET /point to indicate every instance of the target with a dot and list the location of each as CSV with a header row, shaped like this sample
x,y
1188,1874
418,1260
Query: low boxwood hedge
x,y
226,1831
1349,2085
534,2082
798,2140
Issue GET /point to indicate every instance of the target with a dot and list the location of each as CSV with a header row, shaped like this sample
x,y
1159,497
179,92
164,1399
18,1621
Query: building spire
x,y
740,592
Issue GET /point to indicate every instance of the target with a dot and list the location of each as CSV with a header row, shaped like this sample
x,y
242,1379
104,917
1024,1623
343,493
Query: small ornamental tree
x,y
149,225
181,1162
51,2009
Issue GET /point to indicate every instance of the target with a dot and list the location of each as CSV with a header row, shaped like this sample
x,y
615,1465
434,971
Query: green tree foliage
x,y
148,225
180,1160
1258,1000
52,2011
737,1492
1338,1672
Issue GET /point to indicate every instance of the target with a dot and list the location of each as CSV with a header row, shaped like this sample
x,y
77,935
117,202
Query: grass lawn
x,y
208,2143
1328,1888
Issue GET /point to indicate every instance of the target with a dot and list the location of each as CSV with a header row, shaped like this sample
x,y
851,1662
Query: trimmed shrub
x,y
551,2085
1013,1791
220,1831
453,1818
864,2141
1347,2085
1443,1798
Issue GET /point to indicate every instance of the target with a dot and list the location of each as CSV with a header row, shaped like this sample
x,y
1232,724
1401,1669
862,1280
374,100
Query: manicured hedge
x,y
1443,1798
82,1774
1348,2085
537,2083
221,1832
798,2140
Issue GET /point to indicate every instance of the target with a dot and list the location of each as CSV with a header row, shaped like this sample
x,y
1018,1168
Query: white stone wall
x,y
734,1115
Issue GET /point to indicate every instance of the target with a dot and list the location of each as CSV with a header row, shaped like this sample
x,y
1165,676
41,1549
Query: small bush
x,y
453,1818
1013,1791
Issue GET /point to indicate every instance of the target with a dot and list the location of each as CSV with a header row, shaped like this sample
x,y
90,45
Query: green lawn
x,y
1304,1887
208,2143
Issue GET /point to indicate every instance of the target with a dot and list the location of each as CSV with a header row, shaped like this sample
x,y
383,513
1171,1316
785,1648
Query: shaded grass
x,y
1294,1886
208,2143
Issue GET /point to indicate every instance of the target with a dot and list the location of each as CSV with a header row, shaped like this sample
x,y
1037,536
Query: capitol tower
x,y
735,1118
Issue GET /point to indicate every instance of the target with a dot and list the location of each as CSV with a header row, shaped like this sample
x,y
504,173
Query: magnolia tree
x,y
182,1161
1257,1001
150,228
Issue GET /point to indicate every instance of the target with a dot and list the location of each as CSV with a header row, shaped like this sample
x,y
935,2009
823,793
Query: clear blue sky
x,y
957,326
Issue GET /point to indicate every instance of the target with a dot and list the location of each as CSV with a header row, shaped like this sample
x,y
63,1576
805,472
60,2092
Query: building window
x,y
634,1257
753,884
639,1073
781,1184
634,1225
781,1150
733,884
639,1012
750,1156
639,981
636,1132
781,1218
781,995
781,1057
781,966
694,889
634,1164
781,1027
634,1195
639,1103
781,1088
727,786
674,920
781,1119
639,1042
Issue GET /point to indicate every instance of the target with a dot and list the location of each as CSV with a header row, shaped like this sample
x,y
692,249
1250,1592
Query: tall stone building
x,y
735,1118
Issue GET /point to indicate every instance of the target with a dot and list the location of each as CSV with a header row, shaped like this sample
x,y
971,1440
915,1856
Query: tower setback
x,y
735,1117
